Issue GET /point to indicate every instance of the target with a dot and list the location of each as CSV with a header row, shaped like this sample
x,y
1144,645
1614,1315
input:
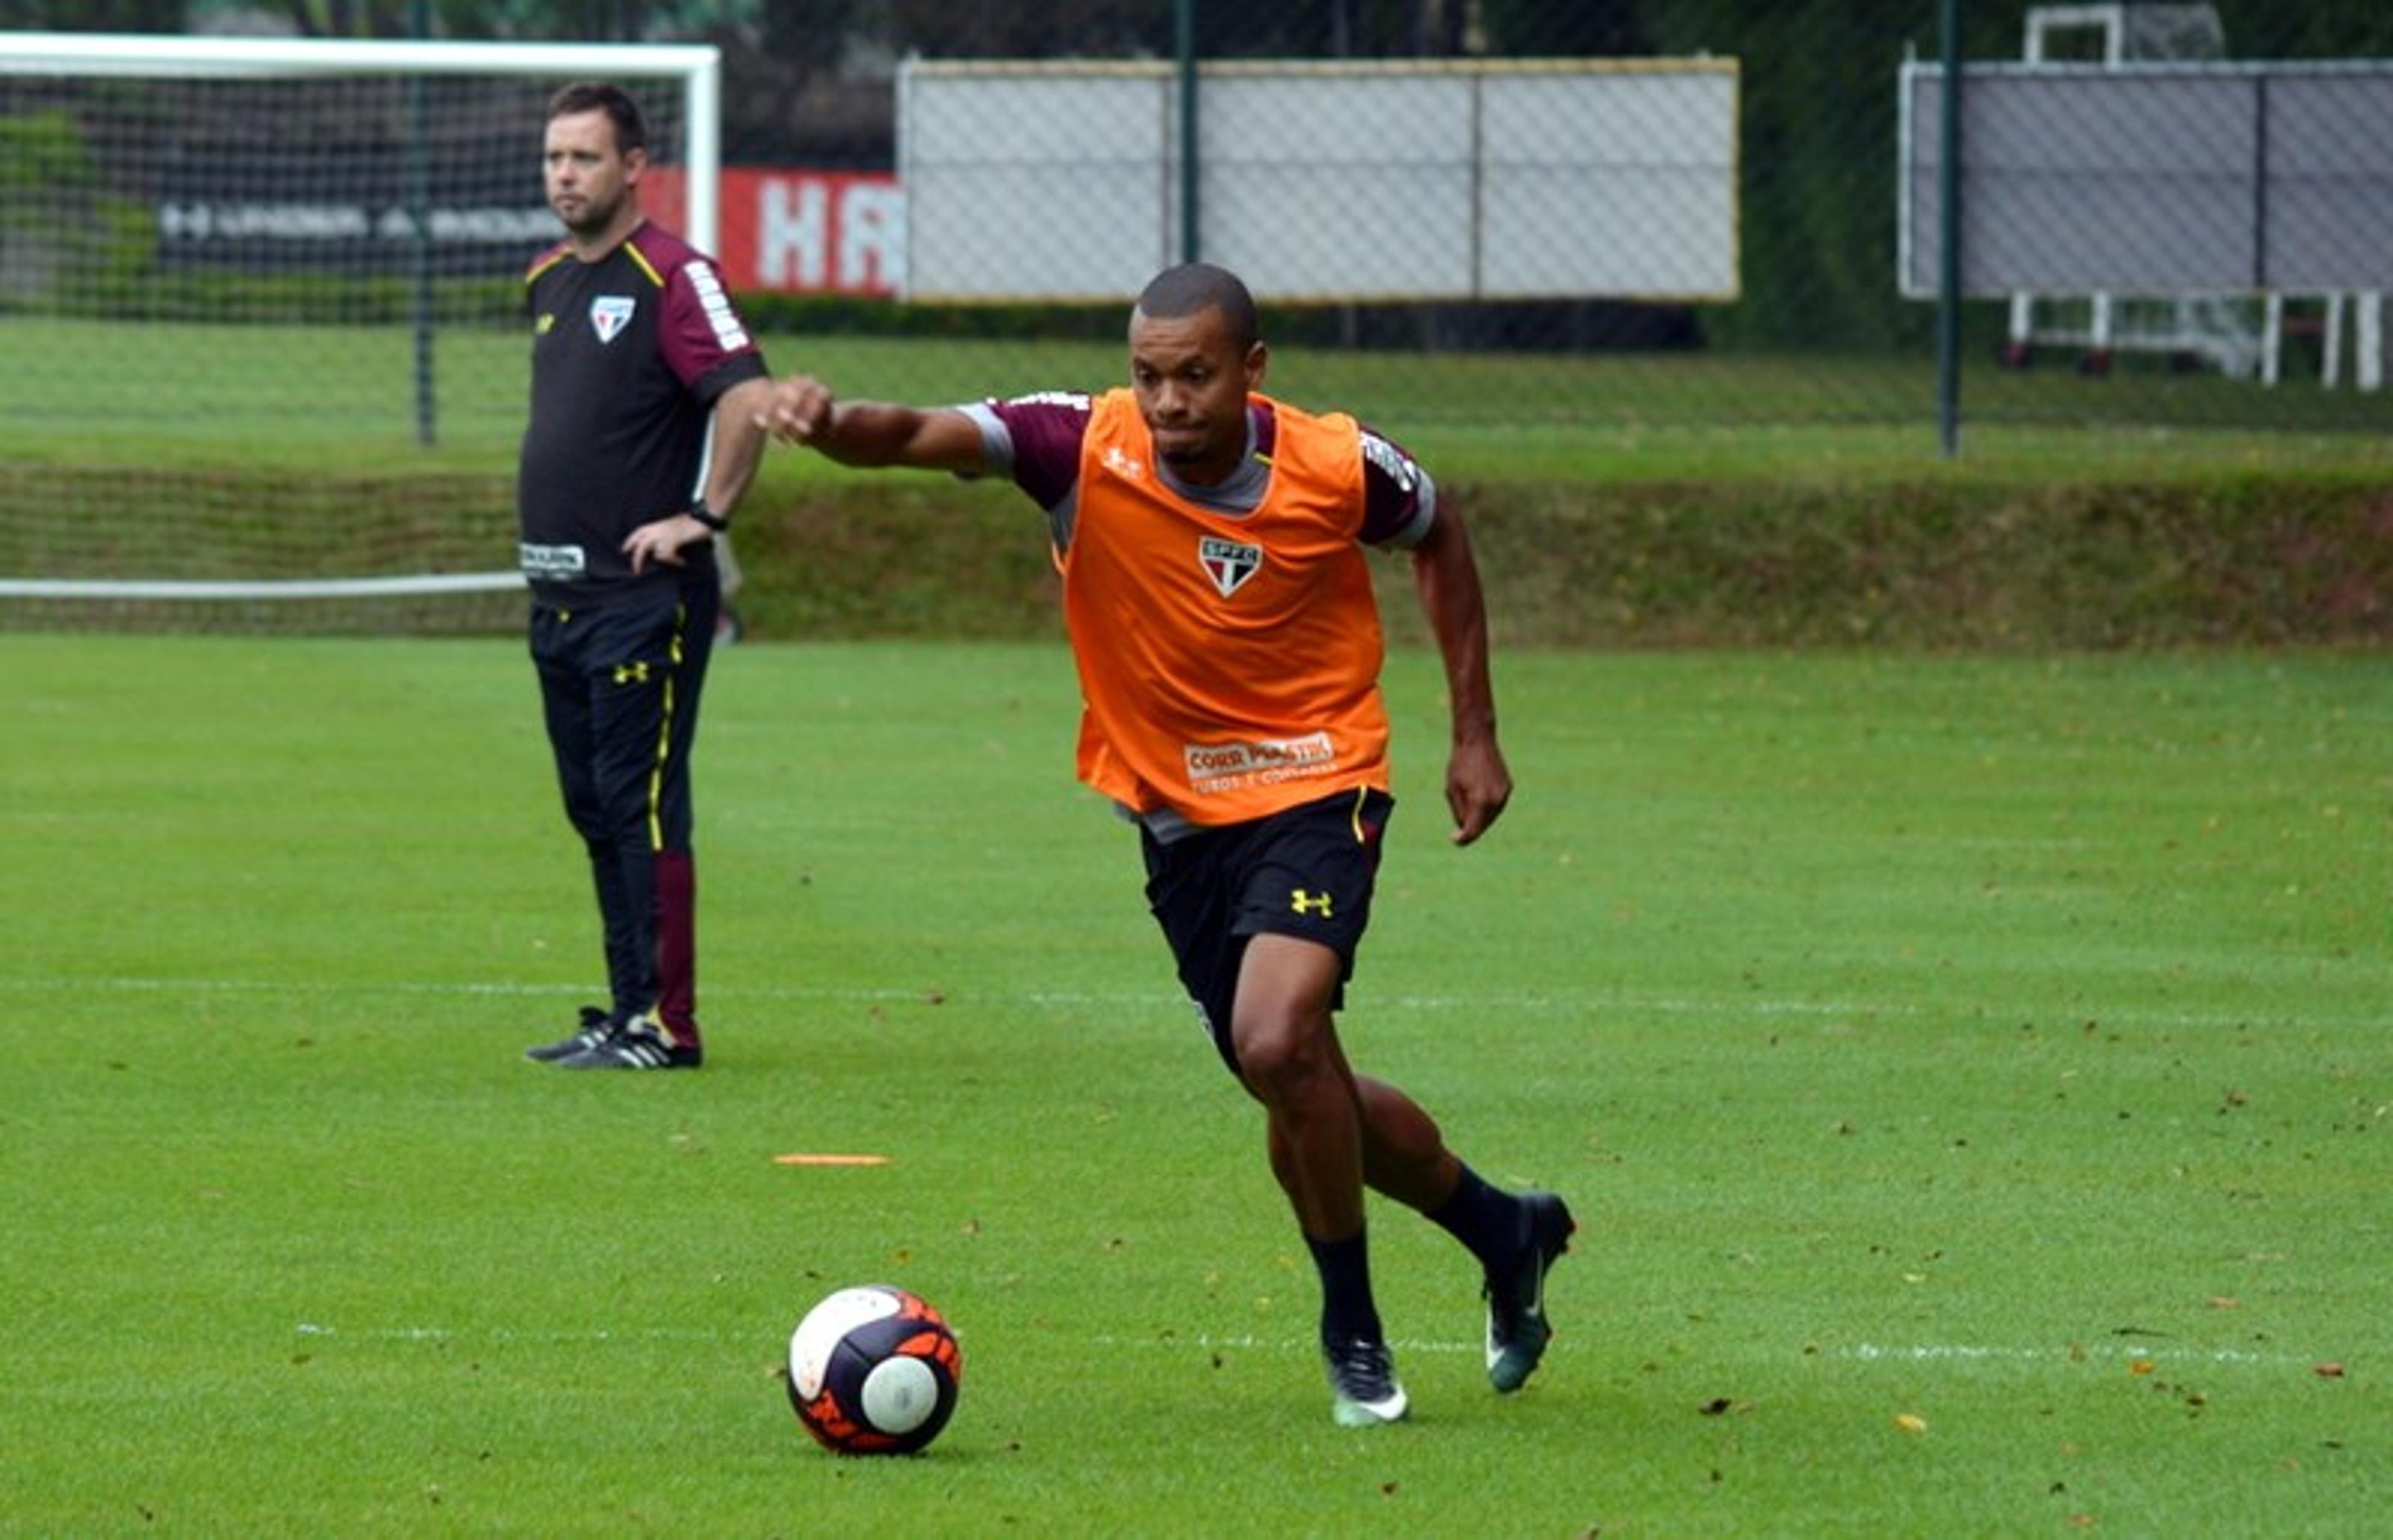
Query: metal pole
x,y
419,213
1948,285
1184,18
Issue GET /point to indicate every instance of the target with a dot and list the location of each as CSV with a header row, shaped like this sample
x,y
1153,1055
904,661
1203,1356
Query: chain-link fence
x,y
2185,204
1505,176
1618,233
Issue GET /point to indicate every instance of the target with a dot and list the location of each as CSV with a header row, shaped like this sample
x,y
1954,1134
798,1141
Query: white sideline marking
x,y
1036,997
1201,1342
1966,1354
502,1334
1865,1352
1249,1342
1948,1353
1725,1006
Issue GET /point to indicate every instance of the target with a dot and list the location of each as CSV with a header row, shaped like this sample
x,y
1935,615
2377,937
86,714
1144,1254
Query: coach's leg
x,y
570,697
633,681
675,861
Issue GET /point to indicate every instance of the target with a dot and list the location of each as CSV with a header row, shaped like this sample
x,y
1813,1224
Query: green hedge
x,y
2257,562
2248,561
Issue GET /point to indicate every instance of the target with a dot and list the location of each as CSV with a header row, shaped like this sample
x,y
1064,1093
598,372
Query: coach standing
x,y
645,392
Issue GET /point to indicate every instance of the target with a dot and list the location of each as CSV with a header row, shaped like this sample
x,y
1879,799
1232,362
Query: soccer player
x,y
1216,589
643,435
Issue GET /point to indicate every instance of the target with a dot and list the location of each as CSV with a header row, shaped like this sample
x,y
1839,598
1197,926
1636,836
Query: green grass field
x,y
341,400
1970,1075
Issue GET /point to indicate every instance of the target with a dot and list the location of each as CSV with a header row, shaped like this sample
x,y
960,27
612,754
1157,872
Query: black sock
x,y
1348,1312
1484,1219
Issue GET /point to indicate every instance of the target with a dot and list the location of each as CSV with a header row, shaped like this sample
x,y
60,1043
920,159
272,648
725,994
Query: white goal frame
x,y
697,66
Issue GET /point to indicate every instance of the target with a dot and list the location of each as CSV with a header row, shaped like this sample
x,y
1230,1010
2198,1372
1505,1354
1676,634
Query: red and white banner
x,y
782,229
795,231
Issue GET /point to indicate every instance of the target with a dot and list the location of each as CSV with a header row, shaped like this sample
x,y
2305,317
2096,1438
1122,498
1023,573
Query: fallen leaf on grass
x,y
2328,1371
1910,1422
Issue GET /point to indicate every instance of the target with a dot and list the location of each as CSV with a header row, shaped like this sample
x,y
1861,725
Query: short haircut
x,y
1194,288
590,95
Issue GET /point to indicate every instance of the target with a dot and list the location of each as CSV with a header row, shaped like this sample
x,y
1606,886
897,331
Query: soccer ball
x,y
874,1371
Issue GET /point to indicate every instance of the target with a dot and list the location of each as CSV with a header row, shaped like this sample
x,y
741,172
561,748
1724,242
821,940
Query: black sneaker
x,y
1362,1379
639,1043
596,1027
1517,1332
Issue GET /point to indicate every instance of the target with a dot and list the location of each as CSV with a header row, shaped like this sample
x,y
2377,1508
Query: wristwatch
x,y
708,517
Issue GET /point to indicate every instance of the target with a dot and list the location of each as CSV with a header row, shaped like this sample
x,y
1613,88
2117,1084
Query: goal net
x,y
263,304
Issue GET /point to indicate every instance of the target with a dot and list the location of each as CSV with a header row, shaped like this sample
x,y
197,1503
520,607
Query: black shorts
x,y
1306,872
619,685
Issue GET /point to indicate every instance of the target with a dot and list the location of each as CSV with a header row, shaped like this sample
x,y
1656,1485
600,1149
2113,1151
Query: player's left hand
x,y
800,408
1478,787
663,541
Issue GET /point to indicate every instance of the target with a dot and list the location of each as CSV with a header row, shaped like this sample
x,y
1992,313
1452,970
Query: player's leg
x,y
1404,1155
1284,1039
1298,899
1316,879
1516,1237
1301,887
1287,1048
1198,886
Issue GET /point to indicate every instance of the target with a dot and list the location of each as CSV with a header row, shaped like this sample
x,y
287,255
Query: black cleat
x,y
596,1027
639,1043
1517,1332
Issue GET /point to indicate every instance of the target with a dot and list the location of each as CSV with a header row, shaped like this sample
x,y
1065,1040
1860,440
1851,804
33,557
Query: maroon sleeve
x,y
702,338
1398,499
1044,433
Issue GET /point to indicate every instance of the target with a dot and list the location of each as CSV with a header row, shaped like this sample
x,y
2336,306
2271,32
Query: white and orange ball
x,y
873,1370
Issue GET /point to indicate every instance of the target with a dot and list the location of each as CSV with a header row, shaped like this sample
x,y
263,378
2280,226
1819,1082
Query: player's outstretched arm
x,y
1478,783
871,434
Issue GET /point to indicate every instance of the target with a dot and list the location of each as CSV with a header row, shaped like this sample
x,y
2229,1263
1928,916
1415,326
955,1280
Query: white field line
x,y
469,989
1590,1002
1199,1342
1964,1354
2132,1352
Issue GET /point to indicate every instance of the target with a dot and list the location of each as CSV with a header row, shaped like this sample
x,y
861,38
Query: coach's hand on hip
x,y
663,541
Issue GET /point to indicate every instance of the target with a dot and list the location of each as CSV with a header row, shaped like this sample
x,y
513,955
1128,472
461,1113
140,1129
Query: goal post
x,y
242,279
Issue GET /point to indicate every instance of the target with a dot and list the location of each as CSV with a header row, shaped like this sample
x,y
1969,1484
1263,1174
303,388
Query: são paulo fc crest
x,y
1228,563
608,315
